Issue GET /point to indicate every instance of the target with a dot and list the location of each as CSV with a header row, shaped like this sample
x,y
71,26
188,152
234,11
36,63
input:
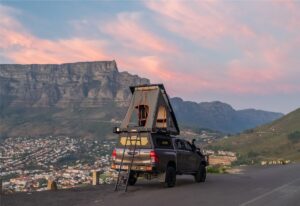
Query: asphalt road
x,y
272,185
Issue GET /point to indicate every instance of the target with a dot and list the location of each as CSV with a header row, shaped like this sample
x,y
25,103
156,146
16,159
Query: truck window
x,y
188,146
180,144
163,143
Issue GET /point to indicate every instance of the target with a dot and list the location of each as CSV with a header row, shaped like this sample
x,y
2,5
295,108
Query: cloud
x,y
194,47
20,46
263,47
204,22
129,32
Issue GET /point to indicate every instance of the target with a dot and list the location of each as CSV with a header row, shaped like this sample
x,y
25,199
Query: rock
x,y
62,85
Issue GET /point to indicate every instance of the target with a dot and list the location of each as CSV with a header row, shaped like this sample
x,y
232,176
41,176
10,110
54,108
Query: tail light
x,y
154,157
114,155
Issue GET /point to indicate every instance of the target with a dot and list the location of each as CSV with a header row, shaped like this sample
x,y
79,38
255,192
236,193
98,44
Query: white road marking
x,y
270,192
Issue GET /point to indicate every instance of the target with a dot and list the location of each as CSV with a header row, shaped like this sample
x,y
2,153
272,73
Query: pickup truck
x,y
159,156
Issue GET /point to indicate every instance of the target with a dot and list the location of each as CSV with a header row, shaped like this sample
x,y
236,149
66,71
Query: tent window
x,y
161,121
143,111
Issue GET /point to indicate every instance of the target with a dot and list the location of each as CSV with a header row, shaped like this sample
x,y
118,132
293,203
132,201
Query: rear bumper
x,y
138,168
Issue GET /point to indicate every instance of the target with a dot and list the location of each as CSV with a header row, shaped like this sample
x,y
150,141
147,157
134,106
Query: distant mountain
x,y
84,84
277,140
220,116
76,99
89,98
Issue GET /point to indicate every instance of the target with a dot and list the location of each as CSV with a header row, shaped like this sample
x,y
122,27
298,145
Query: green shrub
x,y
294,137
217,169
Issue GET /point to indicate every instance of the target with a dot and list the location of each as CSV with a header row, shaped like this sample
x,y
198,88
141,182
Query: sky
x,y
244,53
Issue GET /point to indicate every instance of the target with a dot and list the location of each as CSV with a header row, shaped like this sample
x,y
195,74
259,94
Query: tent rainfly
x,y
150,109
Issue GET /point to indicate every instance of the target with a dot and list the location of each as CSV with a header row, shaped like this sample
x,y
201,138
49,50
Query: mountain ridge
x,y
87,99
220,116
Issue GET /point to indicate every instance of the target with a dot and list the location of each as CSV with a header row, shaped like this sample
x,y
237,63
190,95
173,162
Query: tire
x,y
170,179
132,179
200,176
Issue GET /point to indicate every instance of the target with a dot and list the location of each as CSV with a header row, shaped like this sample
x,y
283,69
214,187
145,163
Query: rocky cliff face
x,y
86,84
77,99
220,116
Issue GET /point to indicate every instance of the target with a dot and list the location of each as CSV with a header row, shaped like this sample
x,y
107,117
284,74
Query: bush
x,y
294,137
218,169
248,159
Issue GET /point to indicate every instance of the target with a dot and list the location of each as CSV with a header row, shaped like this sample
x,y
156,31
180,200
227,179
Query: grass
x,y
277,140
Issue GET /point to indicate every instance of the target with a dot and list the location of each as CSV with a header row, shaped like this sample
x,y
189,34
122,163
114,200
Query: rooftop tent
x,y
150,110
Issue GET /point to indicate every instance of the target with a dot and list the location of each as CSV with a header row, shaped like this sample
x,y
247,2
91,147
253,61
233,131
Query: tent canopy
x,y
150,109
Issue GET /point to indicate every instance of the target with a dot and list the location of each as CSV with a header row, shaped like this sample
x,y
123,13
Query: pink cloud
x,y
205,23
128,31
264,63
160,71
20,46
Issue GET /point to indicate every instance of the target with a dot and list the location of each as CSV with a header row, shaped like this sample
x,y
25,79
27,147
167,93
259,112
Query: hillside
x,y
220,116
277,140
89,98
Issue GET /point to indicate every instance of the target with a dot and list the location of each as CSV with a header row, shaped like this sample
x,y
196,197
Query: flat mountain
x,y
75,99
220,116
84,84
89,98
277,140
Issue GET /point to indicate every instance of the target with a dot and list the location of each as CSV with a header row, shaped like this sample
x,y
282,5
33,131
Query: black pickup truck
x,y
159,156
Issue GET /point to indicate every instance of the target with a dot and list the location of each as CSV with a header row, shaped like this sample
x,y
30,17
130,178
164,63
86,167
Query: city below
x,y
27,163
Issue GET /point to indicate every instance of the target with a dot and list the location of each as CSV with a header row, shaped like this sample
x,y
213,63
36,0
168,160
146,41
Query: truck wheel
x,y
170,179
200,176
132,179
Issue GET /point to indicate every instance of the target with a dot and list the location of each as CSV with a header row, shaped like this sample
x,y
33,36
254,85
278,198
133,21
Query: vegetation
x,y
277,140
294,137
54,121
8,177
216,169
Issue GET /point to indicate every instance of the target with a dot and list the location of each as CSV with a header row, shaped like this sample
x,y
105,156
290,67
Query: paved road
x,y
273,185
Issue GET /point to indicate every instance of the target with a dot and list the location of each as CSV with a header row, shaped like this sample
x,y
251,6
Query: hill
x,y
277,140
220,116
89,98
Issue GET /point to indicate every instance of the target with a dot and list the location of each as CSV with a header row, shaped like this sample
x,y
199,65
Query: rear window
x,y
144,141
164,143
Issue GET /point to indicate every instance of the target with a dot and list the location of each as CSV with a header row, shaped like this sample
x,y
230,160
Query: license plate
x,y
124,167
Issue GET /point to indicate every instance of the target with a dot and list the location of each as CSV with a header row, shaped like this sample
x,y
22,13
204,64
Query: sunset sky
x,y
245,53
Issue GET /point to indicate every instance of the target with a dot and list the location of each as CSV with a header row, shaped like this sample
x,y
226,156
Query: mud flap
x,y
162,177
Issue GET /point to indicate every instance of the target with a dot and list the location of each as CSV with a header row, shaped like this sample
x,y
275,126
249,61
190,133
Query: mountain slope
x,y
279,139
220,116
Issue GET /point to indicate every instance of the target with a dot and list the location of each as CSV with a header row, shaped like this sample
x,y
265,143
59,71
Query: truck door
x,y
192,158
180,155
